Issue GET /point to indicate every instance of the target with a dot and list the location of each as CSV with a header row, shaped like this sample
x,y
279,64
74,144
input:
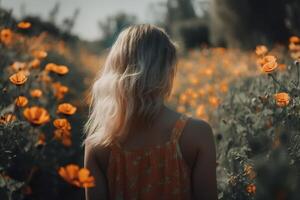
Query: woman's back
x,y
159,163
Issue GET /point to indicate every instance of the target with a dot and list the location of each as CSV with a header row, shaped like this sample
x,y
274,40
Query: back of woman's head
x,y
135,79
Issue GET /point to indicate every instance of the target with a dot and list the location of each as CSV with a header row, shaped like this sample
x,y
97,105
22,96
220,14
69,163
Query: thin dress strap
x,y
179,126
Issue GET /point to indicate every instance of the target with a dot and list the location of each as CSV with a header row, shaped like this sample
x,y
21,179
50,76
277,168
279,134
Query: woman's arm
x,y
204,171
99,192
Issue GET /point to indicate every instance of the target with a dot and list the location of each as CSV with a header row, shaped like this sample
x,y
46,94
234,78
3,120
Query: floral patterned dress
x,y
153,173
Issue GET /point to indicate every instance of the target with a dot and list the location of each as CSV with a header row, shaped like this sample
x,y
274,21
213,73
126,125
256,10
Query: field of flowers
x,y
250,98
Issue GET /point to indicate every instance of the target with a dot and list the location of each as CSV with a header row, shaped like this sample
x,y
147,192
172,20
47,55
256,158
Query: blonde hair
x,y
133,83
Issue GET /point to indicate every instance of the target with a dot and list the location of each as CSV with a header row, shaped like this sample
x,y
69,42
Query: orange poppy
x,y
36,93
294,39
18,78
282,99
66,108
21,101
251,188
7,118
39,54
76,176
64,136
24,25
36,115
200,111
41,139
60,90
261,50
35,63
6,36
214,101
268,64
62,124
58,69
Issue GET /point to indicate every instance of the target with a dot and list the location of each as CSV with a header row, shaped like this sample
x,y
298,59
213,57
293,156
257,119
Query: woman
x,y
137,147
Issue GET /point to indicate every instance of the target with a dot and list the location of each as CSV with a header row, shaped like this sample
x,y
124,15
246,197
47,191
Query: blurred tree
x,y
245,23
53,13
68,23
113,25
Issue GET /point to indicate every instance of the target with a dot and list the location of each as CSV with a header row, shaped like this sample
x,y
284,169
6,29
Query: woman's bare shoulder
x,y
197,136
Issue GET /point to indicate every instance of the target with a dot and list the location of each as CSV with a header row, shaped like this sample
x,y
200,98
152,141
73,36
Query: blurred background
x,y
238,69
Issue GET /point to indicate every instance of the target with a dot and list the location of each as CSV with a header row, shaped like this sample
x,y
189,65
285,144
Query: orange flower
x,y
75,176
249,171
200,111
41,139
62,124
24,25
66,108
58,69
7,118
60,90
294,39
36,115
268,64
261,50
282,99
214,101
251,188
21,101
36,93
35,63
6,36
18,78
40,54
64,136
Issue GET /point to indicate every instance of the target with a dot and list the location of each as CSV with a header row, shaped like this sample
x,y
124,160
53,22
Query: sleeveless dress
x,y
150,173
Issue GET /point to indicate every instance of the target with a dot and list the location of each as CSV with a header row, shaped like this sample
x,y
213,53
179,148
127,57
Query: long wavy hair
x,y
133,83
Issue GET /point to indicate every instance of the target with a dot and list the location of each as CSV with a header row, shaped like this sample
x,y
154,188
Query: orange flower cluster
x,y
282,99
7,118
249,171
76,176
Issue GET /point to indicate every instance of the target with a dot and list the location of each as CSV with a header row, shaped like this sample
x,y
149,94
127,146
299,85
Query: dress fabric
x,y
153,173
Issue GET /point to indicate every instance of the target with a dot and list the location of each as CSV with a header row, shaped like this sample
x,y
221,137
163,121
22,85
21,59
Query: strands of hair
x,y
133,83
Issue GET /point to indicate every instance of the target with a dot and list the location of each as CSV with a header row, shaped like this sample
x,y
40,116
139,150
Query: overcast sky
x,y
91,11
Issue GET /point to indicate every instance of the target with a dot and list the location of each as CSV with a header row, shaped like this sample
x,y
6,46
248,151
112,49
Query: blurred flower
x,y
39,54
36,115
6,36
251,188
35,63
17,66
76,176
282,99
58,69
7,118
268,64
214,101
249,171
62,124
64,136
36,93
60,90
41,139
261,50
200,111
21,101
18,78
66,108
294,39
24,25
